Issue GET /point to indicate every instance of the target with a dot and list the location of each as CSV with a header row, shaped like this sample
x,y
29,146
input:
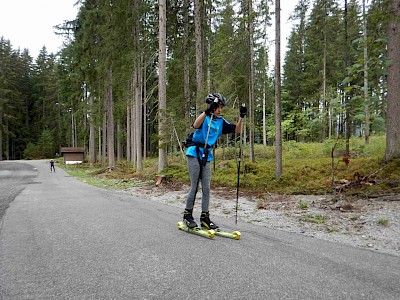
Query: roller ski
x,y
197,230
231,235
207,224
189,225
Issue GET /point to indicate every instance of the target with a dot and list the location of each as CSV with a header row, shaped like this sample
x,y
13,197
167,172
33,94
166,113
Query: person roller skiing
x,y
52,168
209,127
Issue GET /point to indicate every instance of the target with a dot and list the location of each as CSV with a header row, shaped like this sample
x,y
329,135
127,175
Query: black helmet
x,y
211,97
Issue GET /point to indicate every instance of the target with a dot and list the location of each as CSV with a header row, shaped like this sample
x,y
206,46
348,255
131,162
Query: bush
x,y
31,151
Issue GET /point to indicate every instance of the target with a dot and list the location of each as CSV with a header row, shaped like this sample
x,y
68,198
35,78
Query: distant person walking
x,y
52,168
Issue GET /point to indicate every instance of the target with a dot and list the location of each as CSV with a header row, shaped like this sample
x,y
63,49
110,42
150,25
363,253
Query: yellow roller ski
x,y
232,235
197,230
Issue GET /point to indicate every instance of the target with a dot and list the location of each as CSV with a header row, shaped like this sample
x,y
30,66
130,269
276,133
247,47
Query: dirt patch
x,y
367,223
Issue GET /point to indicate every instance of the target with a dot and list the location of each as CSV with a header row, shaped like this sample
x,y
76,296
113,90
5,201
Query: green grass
x,y
354,218
384,221
307,169
116,179
303,205
314,218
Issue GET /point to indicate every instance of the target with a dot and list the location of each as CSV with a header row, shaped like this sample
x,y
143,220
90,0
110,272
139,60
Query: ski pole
x,y
238,172
238,177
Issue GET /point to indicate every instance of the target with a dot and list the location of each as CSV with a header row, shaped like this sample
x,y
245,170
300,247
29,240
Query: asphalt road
x,y
63,239
13,179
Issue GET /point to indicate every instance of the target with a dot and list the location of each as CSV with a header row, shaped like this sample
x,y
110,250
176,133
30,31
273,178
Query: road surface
x,y
63,239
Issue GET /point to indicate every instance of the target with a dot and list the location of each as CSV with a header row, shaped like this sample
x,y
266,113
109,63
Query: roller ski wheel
x,y
231,235
196,230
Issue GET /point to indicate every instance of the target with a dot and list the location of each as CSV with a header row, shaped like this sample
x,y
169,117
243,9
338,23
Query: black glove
x,y
243,110
212,107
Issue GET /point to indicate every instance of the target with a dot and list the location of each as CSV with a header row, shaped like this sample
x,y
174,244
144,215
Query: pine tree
x,y
377,24
162,155
393,108
278,104
294,68
5,88
198,17
366,89
251,75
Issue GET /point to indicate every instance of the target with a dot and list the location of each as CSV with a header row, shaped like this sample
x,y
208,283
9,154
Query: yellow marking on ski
x,y
198,231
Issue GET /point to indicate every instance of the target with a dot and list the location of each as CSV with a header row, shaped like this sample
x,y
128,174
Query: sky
x,y
29,23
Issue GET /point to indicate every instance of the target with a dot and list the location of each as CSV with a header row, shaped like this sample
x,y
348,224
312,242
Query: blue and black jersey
x,y
219,126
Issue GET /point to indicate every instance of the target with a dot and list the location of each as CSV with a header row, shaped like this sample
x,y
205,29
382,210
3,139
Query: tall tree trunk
x,y
100,147
265,72
209,22
136,54
128,130
278,105
138,117
162,88
75,132
347,96
330,121
393,82
72,129
366,98
1,132
138,88
251,80
119,146
7,145
199,54
92,134
323,134
104,138
144,130
186,59
133,130
110,121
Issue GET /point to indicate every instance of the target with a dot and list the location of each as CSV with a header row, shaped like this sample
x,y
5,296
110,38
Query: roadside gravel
x,y
367,223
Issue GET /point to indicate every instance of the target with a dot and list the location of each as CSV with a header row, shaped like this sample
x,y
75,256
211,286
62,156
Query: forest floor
x,y
367,223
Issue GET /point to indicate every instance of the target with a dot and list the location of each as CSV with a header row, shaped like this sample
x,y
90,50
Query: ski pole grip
x,y
243,110
204,157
